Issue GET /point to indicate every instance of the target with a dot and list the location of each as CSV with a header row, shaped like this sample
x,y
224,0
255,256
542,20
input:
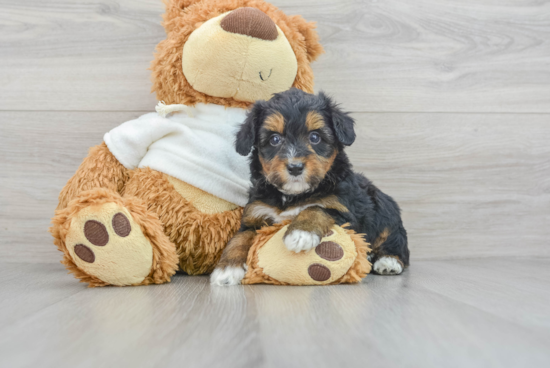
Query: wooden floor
x,y
462,313
452,103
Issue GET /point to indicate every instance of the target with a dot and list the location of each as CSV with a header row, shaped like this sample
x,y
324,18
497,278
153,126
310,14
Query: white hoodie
x,y
196,146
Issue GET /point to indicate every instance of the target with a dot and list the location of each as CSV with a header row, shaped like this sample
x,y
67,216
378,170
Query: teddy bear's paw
x,y
328,262
104,241
387,266
227,276
300,240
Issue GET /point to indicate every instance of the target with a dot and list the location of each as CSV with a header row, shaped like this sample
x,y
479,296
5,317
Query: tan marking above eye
x,y
314,121
275,122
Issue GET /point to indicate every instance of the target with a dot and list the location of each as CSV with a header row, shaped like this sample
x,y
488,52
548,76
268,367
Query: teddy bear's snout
x,y
250,22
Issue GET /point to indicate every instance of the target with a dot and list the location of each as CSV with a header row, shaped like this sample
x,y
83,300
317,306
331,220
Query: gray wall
x,y
451,98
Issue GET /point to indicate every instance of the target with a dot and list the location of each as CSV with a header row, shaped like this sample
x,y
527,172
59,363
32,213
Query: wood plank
x,y
27,289
511,288
393,55
470,185
423,318
396,322
162,325
39,152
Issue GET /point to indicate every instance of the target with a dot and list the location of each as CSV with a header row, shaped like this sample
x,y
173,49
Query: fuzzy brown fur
x,y
199,238
360,268
100,169
182,17
165,260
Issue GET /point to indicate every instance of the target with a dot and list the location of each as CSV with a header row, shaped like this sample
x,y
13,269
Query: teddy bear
x,y
165,191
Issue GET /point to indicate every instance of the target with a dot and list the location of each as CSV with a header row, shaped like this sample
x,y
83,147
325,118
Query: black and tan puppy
x,y
299,172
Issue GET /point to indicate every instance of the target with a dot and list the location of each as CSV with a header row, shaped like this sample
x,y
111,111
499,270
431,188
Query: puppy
x,y
300,172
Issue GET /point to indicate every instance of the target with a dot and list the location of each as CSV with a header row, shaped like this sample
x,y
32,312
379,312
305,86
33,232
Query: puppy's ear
x,y
341,121
246,137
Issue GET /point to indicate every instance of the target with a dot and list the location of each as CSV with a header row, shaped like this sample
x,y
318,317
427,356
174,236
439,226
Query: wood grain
x,y
394,55
452,102
470,185
466,313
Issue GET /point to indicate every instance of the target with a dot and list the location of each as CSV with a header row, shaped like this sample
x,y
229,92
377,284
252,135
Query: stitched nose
x,y
250,22
295,169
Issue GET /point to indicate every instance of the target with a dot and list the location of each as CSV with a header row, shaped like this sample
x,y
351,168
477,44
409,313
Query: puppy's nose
x,y
250,22
295,169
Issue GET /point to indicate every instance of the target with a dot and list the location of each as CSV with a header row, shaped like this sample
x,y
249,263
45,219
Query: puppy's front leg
x,y
307,229
231,268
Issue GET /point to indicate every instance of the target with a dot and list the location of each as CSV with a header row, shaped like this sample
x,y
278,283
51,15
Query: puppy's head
x,y
296,137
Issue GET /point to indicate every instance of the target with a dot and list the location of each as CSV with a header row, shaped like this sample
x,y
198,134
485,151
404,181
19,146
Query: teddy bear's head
x,y
232,52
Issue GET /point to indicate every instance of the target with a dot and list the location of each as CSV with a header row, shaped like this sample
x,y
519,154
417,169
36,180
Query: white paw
x,y
388,266
227,276
299,240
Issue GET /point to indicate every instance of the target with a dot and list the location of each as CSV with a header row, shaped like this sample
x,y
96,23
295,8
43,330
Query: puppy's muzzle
x,y
295,169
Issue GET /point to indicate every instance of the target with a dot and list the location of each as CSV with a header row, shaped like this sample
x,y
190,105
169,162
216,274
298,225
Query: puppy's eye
x,y
275,140
314,138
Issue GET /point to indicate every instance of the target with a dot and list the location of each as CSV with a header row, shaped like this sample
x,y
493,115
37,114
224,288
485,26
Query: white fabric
x,y
196,147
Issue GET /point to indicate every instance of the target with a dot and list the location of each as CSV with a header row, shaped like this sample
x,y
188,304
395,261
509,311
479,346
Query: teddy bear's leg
x,y
340,257
100,169
110,240
197,223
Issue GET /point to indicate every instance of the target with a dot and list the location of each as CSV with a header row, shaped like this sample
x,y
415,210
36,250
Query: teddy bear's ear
x,y
311,38
175,7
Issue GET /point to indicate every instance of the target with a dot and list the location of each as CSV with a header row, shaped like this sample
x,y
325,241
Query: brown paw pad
x,y
330,251
318,272
84,253
121,225
96,233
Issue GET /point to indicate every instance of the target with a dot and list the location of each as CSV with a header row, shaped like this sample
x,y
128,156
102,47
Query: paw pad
x,y
121,225
318,272
96,233
84,253
330,251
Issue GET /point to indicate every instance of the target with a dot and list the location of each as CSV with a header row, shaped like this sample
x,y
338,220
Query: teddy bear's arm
x,y
100,169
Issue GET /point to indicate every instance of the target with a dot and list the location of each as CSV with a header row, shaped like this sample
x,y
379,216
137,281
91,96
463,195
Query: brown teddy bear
x,y
165,191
